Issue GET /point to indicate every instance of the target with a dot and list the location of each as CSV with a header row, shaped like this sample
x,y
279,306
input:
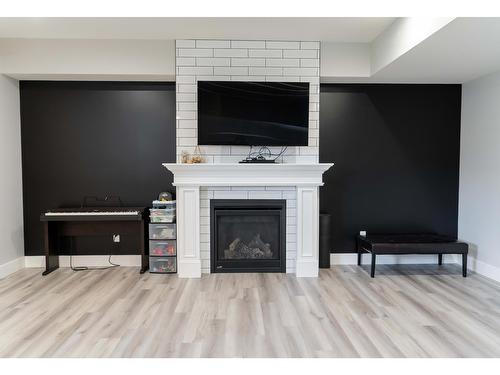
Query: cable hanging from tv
x,y
263,155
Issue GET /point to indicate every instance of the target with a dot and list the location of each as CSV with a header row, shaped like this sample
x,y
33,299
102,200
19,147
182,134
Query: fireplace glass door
x,y
248,235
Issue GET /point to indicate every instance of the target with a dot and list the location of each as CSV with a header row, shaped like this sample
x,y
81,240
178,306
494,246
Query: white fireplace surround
x,y
304,178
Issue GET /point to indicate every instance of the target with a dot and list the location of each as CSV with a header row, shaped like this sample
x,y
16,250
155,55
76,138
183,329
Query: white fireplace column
x,y
188,178
188,231
307,231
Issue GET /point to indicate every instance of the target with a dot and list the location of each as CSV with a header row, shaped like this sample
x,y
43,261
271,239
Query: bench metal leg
x,y
440,259
372,273
464,265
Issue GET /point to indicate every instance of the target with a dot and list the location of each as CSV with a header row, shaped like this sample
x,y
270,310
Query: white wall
x,y
479,207
88,59
98,59
11,205
344,60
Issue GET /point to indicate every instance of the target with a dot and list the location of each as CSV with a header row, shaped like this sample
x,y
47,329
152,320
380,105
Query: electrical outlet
x,y
116,238
362,233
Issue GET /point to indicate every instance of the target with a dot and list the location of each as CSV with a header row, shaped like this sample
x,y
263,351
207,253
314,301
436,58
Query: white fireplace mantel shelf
x,y
248,174
306,178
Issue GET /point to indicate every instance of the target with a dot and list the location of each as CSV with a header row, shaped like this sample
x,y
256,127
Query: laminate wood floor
x,y
406,311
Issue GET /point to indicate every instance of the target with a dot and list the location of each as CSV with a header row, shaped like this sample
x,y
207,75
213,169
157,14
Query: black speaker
x,y
325,240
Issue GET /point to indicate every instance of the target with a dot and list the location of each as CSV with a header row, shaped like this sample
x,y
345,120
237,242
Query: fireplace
x,y
247,235
299,186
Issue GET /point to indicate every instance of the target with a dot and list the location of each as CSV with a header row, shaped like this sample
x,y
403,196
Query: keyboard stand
x,y
51,242
54,229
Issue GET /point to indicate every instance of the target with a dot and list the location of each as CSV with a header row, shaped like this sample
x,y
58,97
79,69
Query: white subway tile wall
x,y
249,192
243,60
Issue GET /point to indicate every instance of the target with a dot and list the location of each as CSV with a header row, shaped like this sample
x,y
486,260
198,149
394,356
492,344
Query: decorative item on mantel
x,y
185,157
197,157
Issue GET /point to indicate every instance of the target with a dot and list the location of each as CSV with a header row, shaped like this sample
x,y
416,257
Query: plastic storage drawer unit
x,y
162,264
164,204
162,215
162,232
162,248
162,238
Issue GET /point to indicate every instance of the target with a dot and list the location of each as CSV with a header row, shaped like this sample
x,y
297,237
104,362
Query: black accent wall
x,y
93,138
396,154
395,149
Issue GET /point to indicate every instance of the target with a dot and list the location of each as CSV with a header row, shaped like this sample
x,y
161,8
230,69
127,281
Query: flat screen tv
x,y
253,113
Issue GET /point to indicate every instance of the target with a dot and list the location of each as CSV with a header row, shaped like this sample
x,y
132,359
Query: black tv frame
x,y
304,141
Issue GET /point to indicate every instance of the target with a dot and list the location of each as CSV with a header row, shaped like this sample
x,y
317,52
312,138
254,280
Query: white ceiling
x,y
465,49
346,30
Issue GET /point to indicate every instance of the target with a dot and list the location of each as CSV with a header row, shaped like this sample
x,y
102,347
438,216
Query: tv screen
x,y
253,113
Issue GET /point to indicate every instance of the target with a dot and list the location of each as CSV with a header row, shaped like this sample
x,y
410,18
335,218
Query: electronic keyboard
x,y
91,221
93,214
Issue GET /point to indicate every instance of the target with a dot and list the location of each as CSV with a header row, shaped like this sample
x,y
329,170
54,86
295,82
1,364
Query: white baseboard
x,y
10,267
352,259
484,269
34,261
86,260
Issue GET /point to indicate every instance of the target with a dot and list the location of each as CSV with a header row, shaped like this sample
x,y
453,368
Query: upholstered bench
x,y
400,244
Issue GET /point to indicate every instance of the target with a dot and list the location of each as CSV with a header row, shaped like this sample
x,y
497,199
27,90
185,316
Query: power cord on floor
x,y
85,268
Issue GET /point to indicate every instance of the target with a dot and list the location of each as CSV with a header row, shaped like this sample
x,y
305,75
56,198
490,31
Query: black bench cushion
x,y
412,244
